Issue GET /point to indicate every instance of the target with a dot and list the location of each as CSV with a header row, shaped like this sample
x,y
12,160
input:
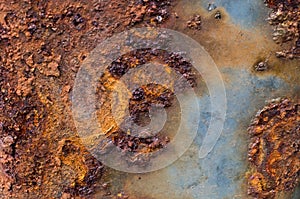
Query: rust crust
x,y
42,46
274,149
285,17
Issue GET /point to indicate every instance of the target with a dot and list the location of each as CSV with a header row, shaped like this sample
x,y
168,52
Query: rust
x,y
285,17
133,59
42,45
274,149
195,23
141,99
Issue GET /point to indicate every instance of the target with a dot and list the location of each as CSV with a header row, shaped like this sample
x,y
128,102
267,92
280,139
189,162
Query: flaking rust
x,y
285,17
274,149
42,47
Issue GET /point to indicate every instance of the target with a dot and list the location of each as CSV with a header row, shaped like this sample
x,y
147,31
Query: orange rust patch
x,y
274,149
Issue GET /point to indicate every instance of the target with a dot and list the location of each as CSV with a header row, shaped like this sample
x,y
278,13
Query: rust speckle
x,y
195,22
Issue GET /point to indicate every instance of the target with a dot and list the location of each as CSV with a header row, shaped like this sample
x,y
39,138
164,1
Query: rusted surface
x,y
274,149
285,17
171,59
141,100
42,44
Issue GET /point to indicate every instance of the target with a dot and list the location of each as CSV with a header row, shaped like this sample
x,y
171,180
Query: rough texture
x,y
42,45
285,17
274,149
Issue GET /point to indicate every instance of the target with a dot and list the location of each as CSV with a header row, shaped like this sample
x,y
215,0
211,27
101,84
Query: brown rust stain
x,y
225,42
231,45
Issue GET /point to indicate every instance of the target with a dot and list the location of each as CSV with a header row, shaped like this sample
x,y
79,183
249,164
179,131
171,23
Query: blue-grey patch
x,y
221,174
247,13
